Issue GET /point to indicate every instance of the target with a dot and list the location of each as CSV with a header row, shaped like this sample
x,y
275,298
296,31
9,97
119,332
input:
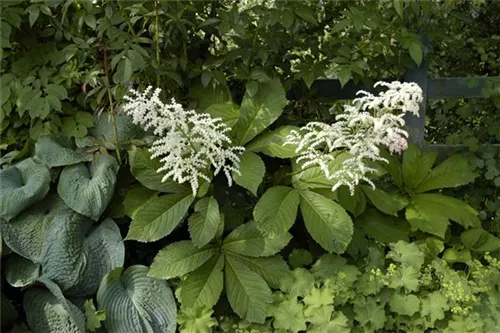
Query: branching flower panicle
x,y
369,123
188,143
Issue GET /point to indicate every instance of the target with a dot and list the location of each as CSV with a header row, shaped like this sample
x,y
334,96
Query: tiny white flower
x,y
188,143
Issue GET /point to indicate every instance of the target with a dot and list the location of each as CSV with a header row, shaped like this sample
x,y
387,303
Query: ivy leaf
x,y
327,222
271,269
276,210
136,303
453,172
416,165
247,292
480,240
178,259
431,213
405,305
252,171
21,186
389,203
247,240
270,143
157,217
406,253
88,190
204,222
261,110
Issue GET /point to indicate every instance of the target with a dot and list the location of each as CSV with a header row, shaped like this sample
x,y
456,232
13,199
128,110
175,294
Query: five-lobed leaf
x,y
276,210
252,171
204,222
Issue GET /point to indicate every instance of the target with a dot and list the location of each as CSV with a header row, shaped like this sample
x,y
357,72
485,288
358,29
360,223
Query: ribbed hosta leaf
x,y
77,262
19,271
88,190
136,303
126,129
58,152
21,186
47,311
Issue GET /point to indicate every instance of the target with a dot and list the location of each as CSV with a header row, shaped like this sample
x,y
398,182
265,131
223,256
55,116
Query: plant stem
x,y
113,118
157,41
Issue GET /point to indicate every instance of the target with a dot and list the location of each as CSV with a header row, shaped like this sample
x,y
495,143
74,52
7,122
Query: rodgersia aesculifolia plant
x,y
370,122
188,143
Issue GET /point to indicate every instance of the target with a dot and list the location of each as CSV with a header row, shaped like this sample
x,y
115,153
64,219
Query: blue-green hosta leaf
x,y
19,271
204,222
247,240
416,165
247,292
136,303
21,186
480,240
58,152
143,168
203,286
260,110
327,222
252,170
180,258
431,213
271,269
9,313
387,202
76,261
271,143
453,172
88,190
47,311
276,210
126,129
158,216
25,234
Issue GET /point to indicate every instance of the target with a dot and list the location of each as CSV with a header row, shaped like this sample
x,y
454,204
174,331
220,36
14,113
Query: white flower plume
x,y
188,143
369,123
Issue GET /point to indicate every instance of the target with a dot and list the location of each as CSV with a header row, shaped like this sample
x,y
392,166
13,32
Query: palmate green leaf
x,y
407,254
252,171
405,305
338,324
434,306
143,168
58,152
136,303
276,210
246,291
387,202
19,271
21,186
228,112
327,222
247,240
271,269
288,315
370,312
431,213
47,311
270,143
261,110
196,320
92,316
88,190
157,217
478,239
205,221
453,172
203,286
180,258
416,166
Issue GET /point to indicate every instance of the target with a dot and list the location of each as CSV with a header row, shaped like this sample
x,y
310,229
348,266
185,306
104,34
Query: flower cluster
x,y
188,143
369,123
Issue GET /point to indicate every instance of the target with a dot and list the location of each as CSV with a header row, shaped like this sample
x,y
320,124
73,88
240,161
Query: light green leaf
x,y
157,217
434,306
246,291
416,165
204,222
327,222
271,269
252,171
415,50
178,259
431,213
480,240
398,6
407,254
261,110
338,324
203,286
405,305
247,240
196,320
271,143
136,303
88,190
58,152
453,172
344,75
288,315
389,203
228,112
21,186
20,272
143,168
370,312
92,316
47,311
276,210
